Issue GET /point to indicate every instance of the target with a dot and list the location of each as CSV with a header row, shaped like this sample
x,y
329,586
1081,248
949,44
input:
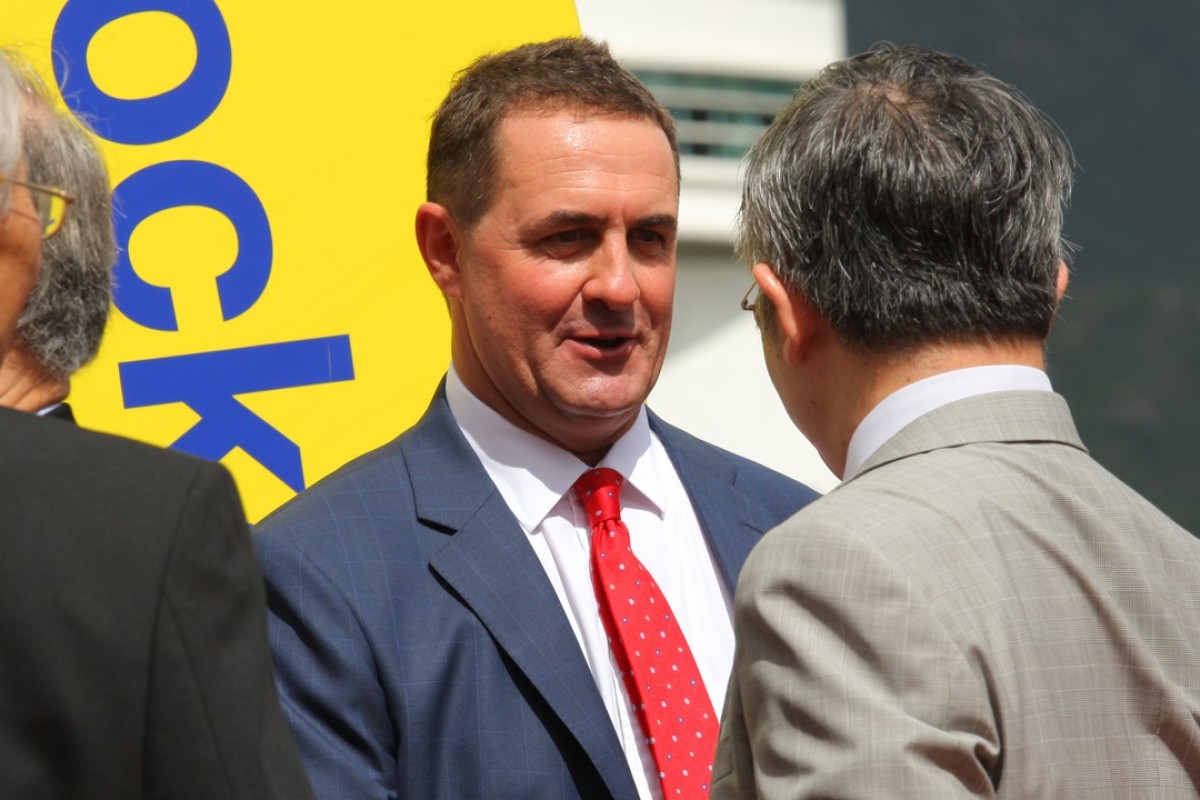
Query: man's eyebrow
x,y
573,218
570,218
667,221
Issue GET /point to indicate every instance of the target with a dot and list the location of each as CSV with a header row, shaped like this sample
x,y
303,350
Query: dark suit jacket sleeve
x,y
844,684
214,728
331,694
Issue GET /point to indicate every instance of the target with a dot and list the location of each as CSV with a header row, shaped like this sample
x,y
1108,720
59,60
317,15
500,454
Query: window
x,y
717,116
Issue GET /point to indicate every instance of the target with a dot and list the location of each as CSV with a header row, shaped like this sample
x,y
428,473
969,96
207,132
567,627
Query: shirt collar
x,y
44,410
905,405
532,474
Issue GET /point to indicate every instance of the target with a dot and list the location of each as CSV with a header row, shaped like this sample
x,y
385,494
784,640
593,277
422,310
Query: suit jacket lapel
x,y
732,524
489,563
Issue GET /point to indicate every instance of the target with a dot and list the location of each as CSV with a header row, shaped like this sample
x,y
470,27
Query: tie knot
x,y
600,492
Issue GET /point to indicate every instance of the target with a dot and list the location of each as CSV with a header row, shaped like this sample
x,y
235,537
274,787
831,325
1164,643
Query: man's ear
x,y
1060,283
1060,290
796,319
438,240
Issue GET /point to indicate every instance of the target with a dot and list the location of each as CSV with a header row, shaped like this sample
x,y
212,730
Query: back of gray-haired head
x,y
910,197
64,318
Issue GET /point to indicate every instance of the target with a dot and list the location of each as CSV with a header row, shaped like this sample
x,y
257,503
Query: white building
x,y
723,67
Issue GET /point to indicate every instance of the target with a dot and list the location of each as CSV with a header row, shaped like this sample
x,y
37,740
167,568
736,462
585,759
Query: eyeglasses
x,y
51,204
747,303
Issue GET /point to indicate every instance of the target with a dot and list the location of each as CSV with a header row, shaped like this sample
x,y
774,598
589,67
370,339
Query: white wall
x,y
762,38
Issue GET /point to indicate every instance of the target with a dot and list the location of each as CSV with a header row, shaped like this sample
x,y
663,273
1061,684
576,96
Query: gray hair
x,y
910,197
65,315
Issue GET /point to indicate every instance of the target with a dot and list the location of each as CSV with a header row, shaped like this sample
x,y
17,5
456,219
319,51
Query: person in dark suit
x,y
980,609
135,660
434,622
59,330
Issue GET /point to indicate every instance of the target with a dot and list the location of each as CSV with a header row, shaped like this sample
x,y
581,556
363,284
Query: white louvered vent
x,y
717,116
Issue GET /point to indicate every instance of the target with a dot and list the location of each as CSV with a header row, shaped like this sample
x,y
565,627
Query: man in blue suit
x,y
433,618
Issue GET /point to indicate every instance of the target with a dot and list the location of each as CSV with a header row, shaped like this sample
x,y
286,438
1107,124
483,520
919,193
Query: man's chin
x,y
602,400
594,411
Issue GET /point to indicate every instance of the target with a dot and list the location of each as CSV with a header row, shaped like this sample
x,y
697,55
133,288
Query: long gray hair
x,y
65,315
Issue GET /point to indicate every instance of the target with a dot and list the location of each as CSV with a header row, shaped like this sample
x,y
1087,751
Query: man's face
x,y
20,258
567,280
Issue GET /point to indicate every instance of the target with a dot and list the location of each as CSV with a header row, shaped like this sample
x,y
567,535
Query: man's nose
x,y
613,280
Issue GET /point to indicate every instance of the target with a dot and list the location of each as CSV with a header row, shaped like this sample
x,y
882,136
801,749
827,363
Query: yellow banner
x,y
272,310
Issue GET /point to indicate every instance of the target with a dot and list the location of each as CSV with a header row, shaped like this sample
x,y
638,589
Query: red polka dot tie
x,y
656,664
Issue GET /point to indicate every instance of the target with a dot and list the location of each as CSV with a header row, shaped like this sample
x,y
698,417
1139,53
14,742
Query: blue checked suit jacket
x,y
421,650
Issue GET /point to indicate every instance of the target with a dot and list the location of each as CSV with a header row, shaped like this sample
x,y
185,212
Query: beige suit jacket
x,y
981,611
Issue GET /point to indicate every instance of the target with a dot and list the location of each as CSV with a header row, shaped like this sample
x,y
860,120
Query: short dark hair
x,y
911,197
575,74
64,317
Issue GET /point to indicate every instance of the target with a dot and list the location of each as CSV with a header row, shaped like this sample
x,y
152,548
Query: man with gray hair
x,y
979,609
63,321
135,661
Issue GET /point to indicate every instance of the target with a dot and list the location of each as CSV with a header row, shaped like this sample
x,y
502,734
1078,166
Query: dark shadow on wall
x,y
1121,79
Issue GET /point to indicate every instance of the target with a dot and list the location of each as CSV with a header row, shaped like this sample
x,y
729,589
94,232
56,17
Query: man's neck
x,y
25,385
858,381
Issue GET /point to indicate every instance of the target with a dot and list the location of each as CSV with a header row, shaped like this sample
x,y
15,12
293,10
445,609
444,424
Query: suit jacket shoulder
x,y
430,474
979,591
136,661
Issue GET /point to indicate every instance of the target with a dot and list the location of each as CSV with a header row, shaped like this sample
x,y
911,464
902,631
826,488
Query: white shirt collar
x,y
915,400
533,474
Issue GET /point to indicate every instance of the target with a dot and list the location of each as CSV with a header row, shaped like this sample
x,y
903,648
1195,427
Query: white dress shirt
x,y
905,405
534,477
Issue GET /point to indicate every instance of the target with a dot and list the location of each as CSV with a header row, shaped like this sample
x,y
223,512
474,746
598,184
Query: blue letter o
x,y
150,119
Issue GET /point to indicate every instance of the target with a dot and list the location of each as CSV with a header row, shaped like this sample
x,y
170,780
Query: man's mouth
x,y
606,345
